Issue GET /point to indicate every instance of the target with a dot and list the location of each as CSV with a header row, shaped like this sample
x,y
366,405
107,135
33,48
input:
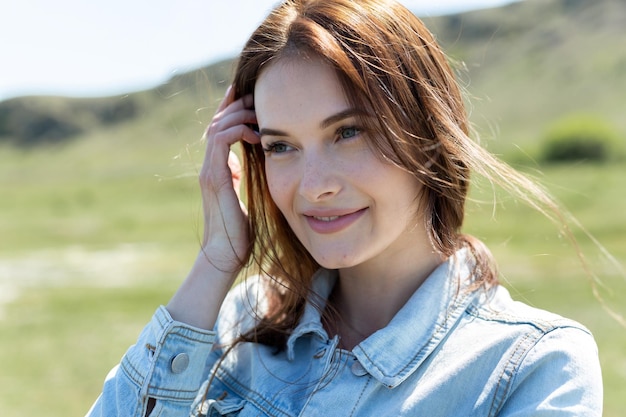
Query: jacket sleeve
x,y
161,374
560,376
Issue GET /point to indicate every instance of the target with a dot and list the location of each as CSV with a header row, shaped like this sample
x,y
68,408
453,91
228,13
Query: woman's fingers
x,y
225,241
229,126
229,106
216,173
220,178
229,118
232,114
228,98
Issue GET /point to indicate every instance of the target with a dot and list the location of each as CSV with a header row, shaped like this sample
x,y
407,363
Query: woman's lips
x,y
325,223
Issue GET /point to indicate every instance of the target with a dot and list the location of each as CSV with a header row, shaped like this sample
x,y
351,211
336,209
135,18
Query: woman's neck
x,y
367,297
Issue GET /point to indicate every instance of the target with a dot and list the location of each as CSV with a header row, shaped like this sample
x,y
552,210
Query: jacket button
x,y
179,363
357,369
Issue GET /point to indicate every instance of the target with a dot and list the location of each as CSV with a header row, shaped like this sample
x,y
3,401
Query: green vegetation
x,y
532,62
97,231
91,270
581,138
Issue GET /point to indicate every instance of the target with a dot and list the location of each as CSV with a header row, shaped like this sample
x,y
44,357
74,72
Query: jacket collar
x,y
394,352
421,324
311,321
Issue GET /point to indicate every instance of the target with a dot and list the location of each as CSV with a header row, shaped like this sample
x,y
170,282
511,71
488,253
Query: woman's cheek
x,y
278,186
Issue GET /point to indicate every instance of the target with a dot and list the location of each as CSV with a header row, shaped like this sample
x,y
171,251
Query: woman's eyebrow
x,y
352,112
272,132
329,121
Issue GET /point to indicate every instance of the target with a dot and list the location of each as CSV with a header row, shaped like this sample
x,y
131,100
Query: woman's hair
x,y
389,64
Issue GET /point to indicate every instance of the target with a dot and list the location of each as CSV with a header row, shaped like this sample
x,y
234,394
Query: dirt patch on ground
x,y
120,266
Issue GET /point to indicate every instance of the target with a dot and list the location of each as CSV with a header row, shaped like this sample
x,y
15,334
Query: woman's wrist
x,y
199,298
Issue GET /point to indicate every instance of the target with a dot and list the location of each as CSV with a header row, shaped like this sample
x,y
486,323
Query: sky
x,y
106,47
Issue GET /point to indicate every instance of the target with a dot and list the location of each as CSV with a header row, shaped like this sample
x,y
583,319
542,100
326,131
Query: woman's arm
x,y
225,241
560,376
161,374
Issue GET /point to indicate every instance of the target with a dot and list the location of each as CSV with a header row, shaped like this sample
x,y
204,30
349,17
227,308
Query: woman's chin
x,y
335,262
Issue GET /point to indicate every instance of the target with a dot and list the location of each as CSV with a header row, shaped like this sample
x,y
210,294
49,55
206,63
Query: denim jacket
x,y
452,350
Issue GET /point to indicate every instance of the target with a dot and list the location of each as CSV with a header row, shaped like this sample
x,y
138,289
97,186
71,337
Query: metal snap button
x,y
357,369
179,363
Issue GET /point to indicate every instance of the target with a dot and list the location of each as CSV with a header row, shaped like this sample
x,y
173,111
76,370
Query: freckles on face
x,y
343,202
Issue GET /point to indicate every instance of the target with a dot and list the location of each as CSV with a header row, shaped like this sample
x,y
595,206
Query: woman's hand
x,y
225,240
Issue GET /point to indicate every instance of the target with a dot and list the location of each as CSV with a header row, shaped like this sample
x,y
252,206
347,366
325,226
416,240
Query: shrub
x,y
581,138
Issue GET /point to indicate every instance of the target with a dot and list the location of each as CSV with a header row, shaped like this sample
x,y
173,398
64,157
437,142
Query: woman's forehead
x,y
298,89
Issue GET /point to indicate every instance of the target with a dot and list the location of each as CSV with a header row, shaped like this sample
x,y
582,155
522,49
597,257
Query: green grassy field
x,y
97,232
93,240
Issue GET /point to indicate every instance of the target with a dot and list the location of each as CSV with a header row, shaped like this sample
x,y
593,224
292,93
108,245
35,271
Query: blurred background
x,y
102,105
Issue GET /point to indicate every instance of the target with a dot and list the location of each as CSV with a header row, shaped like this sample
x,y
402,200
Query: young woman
x,y
368,299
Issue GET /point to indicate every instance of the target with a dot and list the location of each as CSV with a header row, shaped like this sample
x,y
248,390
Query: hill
x,y
31,121
533,62
524,65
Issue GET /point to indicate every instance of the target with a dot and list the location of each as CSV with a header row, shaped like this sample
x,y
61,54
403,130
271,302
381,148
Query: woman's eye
x,y
348,132
276,147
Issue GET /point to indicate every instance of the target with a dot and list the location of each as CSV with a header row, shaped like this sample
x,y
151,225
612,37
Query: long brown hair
x,y
388,62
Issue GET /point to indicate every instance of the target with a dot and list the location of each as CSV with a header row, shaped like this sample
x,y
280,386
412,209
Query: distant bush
x,y
114,111
44,128
30,121
581,138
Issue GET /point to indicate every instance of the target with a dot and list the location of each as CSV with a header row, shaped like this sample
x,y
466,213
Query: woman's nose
x,y
319,178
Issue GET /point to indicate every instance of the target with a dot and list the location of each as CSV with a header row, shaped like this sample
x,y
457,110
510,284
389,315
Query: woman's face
x,y
345,204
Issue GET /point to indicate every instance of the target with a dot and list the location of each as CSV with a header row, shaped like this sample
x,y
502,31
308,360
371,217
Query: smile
x,y
326,219
334,223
